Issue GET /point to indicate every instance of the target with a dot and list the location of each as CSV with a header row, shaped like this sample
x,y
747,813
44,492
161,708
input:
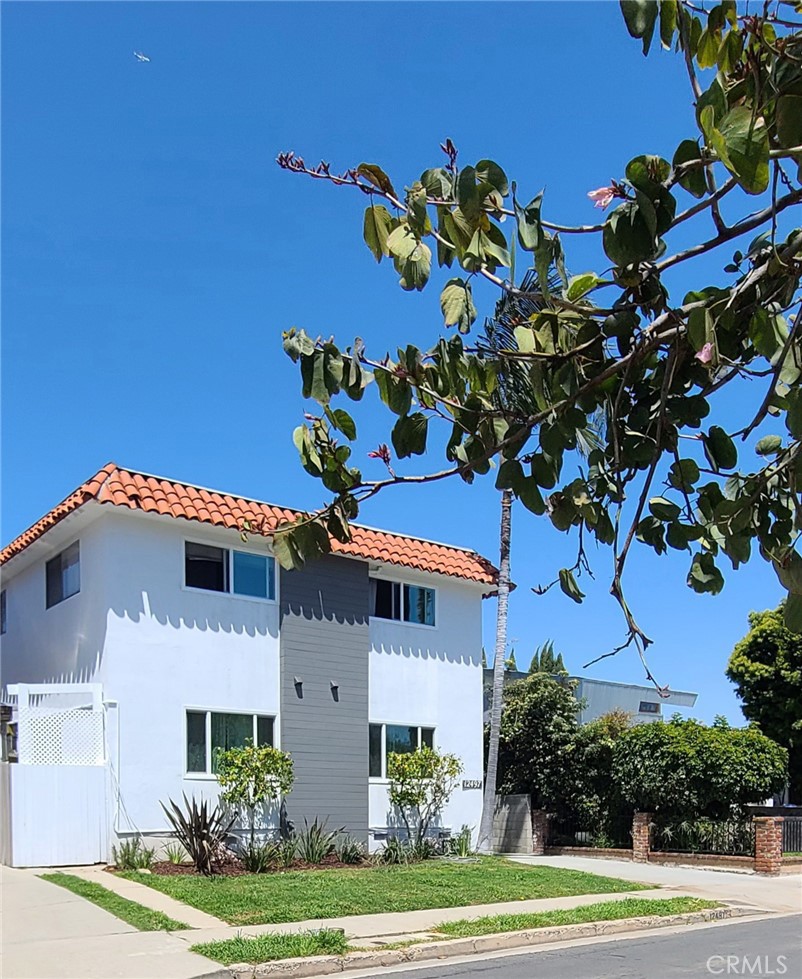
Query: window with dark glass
x,y
63,575
405,603
648,707
399,739
209,732
375,751
2,612
253,575
206,567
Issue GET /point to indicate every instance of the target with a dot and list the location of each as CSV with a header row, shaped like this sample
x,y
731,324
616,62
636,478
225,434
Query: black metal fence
x,y
725,837
792,835
610,832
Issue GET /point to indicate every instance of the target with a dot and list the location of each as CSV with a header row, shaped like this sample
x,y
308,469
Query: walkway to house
x,y
49,933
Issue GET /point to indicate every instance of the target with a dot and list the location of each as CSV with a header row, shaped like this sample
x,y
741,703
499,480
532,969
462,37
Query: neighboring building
x,y
144,588
600,697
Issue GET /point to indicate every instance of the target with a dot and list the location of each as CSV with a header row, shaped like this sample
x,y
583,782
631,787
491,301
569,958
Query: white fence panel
x,y
59,815
5,813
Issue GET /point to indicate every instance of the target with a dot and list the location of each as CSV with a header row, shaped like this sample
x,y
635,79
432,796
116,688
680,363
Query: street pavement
x,y
768,949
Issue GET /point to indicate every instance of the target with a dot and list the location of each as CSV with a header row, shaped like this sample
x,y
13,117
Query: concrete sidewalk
x,y
782,893
47,932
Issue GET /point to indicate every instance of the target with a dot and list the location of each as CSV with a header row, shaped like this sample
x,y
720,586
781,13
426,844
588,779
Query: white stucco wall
x,y
170,648
62,644
432,677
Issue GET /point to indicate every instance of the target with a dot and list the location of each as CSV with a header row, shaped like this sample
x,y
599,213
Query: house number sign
x,y
471,783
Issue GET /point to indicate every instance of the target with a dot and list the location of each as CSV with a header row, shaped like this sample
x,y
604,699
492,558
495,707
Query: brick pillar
x,y
641,836
540,829
768,845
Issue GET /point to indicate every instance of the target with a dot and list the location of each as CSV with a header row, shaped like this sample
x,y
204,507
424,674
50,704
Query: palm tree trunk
x,y
485,841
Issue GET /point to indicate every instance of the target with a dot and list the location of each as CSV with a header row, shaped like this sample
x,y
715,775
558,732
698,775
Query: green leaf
x,y
668,22
438,183
789,571
569,586
707,49
457,305
530,230
525,338
491,173
313,377
526,489
394,391
788,119
714,99
640,17
377,225
412,258
376,176
626,237
409,435
704,576
792,614
742,143
683,474
343,422
769,445
720,449
663,509
694,180
729,52
580,285
286,551
510,473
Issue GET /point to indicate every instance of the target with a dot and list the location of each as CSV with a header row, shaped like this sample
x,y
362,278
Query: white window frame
x,y
208,775
409,583
376,779
208,542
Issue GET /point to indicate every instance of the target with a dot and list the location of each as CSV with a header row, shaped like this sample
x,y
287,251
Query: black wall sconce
x,y
299,687
335,690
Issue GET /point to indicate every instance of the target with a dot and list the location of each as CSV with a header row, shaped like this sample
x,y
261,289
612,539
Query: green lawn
x,y
129,911
630,907
266,948
299,895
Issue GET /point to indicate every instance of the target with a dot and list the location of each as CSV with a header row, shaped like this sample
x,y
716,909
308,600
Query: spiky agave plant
x,y
200,830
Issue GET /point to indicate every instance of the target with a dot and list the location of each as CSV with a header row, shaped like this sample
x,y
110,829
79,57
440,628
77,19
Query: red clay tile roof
x,y
152,494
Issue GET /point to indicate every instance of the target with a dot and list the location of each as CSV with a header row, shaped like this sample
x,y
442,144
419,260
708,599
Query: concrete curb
x,y
320,965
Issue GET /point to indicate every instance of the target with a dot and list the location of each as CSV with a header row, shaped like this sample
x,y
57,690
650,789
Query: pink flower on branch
x,y
705,355
602,197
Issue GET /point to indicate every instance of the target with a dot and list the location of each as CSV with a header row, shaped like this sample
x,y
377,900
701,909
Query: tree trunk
x,y
485,841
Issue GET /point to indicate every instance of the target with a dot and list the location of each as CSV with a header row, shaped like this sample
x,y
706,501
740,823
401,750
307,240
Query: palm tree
x,y
513,395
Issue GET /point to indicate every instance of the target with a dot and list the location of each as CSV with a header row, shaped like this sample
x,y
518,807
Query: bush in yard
x,y
688,770
200,830
766,667
251,776
538,724
589,793
421,783
316,842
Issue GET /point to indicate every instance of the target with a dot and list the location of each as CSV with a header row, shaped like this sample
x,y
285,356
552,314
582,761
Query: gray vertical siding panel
x,y
324,638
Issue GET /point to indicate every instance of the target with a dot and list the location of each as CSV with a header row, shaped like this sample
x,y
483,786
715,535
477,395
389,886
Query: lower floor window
x,y
210,732
385,739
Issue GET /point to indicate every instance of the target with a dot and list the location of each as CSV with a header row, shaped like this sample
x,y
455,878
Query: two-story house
x,y
199,640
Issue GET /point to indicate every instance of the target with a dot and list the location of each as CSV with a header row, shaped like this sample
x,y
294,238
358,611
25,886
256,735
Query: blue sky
x,y
153,253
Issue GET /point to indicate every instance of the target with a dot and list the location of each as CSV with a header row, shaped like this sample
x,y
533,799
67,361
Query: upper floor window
x,y
2,612
648,707
209,732
406,603
63,575
399,739
238,572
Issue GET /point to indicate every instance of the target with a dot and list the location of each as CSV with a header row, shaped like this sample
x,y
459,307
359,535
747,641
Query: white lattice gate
x,y
58,786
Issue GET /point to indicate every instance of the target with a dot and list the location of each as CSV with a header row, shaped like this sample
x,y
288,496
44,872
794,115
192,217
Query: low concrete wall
x,y
512,824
